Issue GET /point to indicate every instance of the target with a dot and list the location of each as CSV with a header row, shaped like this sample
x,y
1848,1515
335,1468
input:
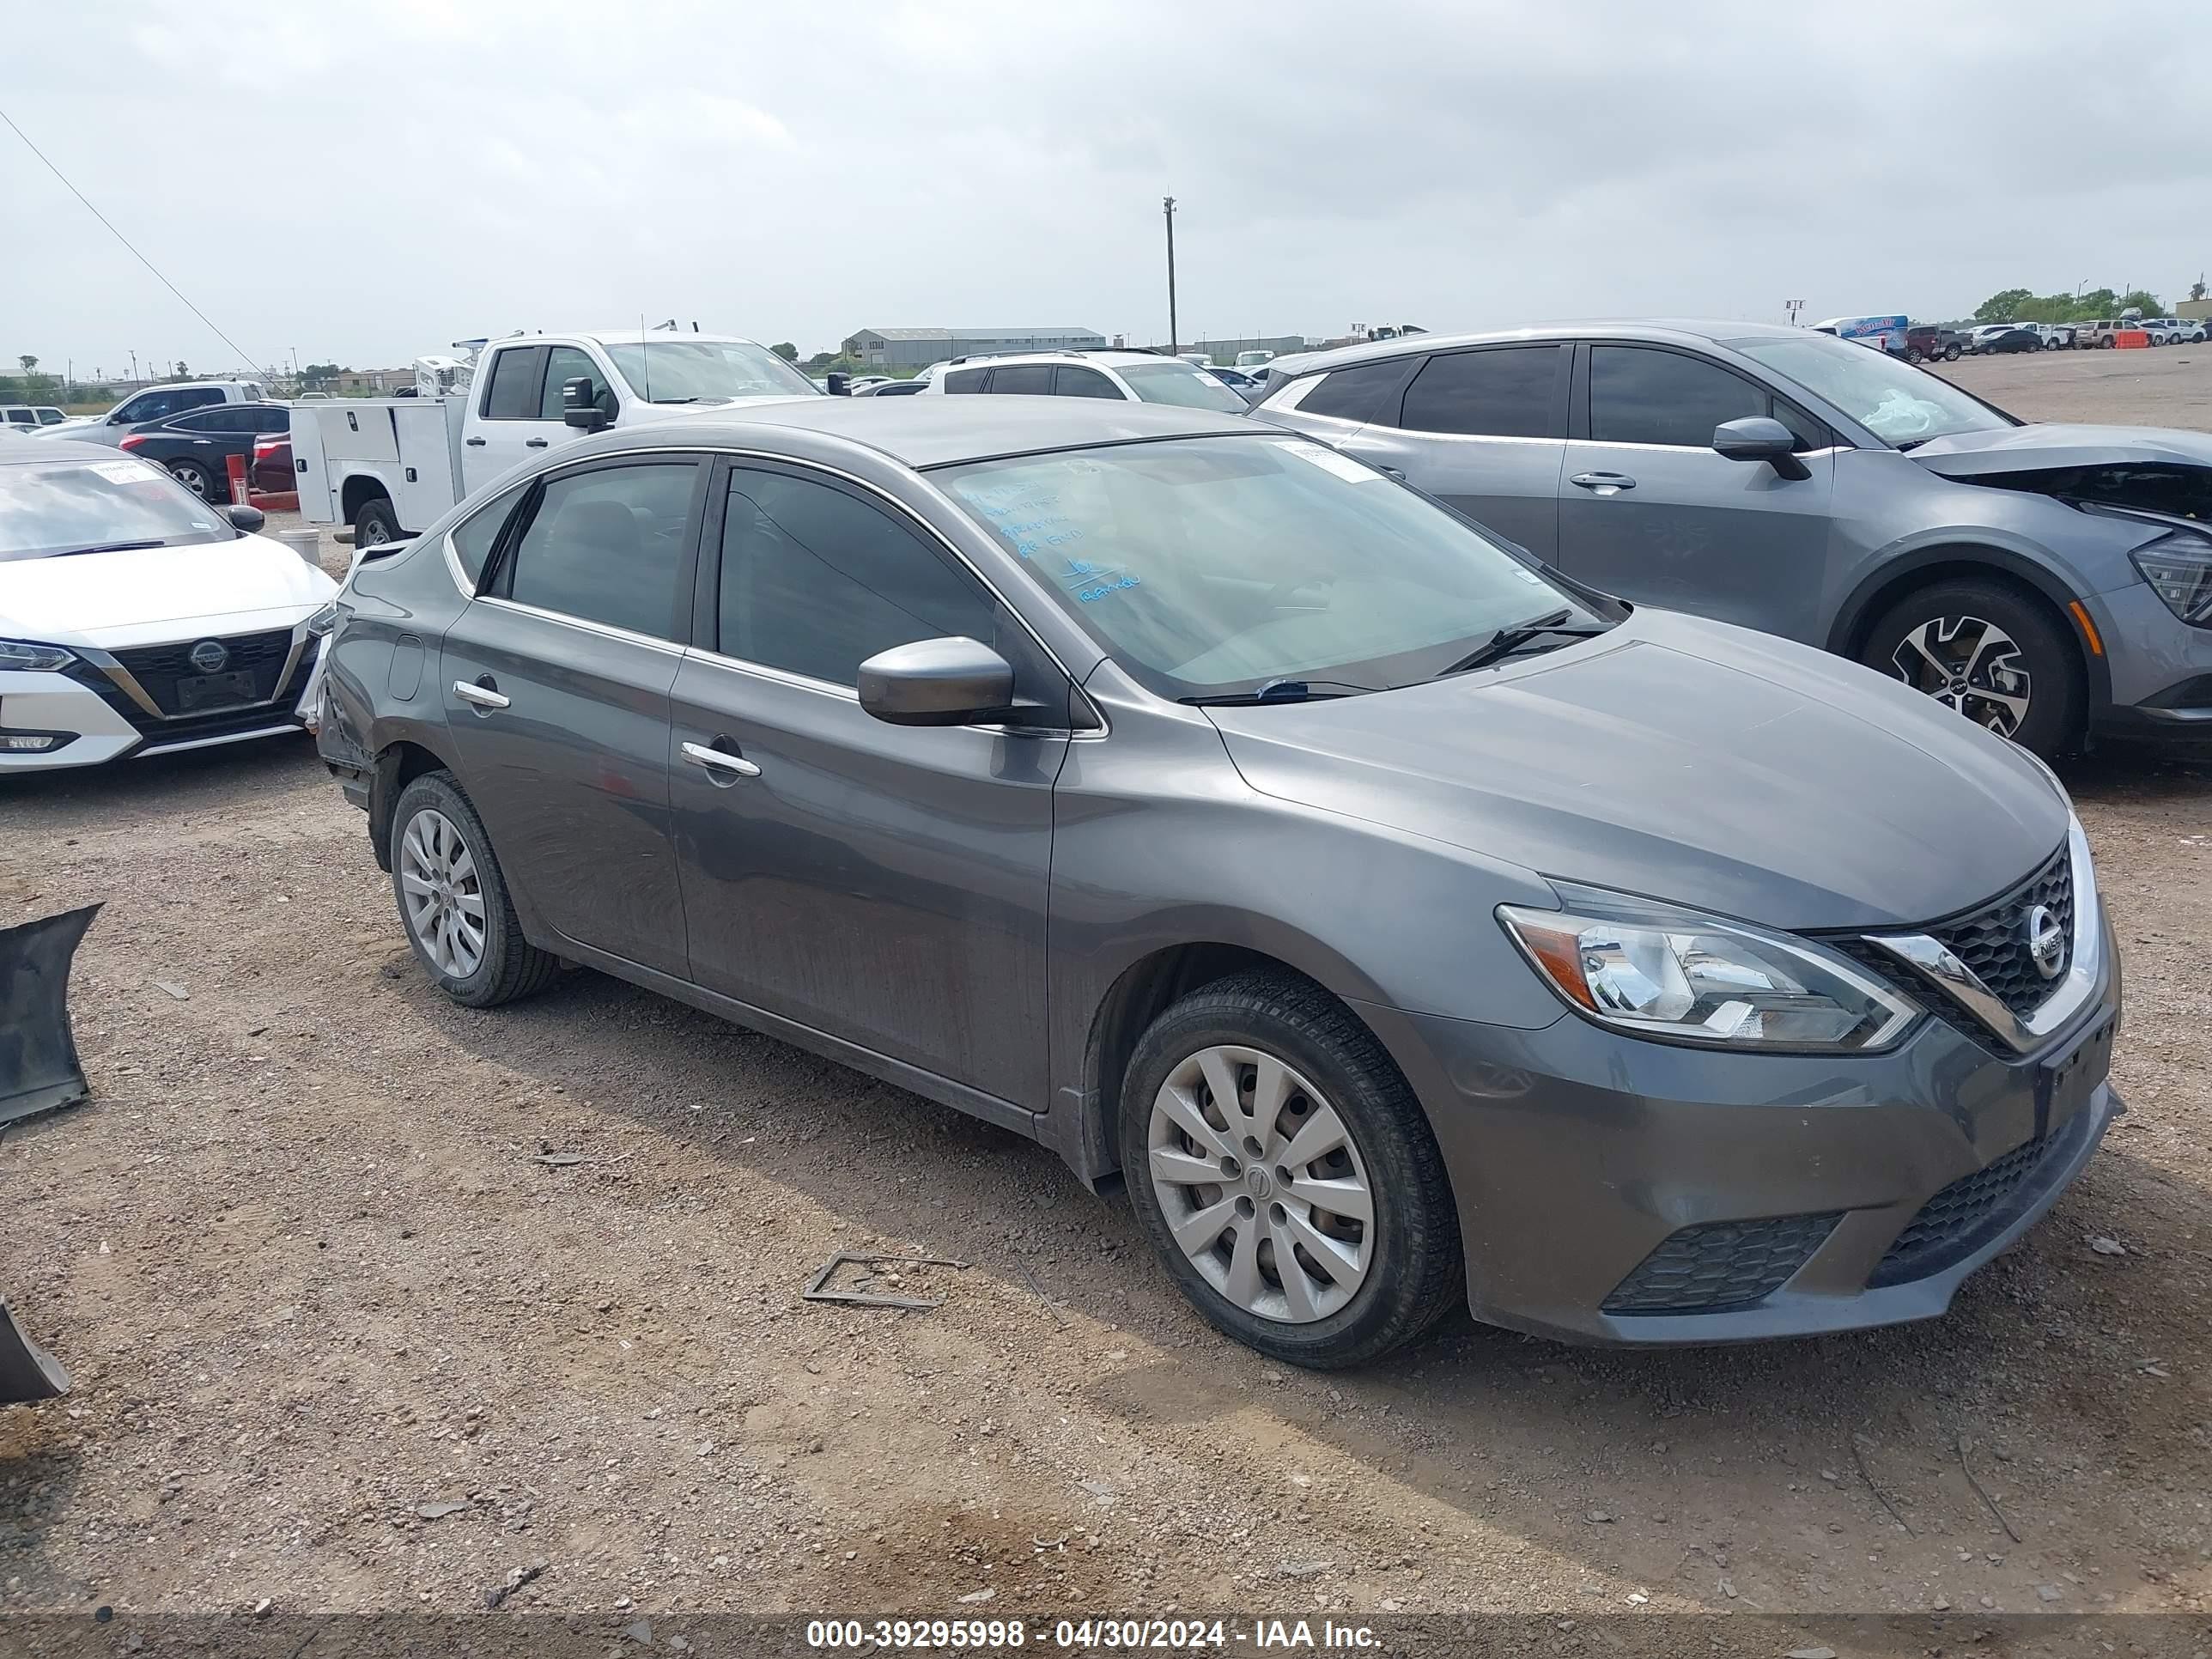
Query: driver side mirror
x,y
948,682
1760,438
580,405
248,519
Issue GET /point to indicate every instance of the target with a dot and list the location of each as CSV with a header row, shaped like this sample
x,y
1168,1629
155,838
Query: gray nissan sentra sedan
x,y
1404,923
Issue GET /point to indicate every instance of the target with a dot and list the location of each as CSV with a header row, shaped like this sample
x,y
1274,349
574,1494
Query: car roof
x,y
62,449
926,432
1674,330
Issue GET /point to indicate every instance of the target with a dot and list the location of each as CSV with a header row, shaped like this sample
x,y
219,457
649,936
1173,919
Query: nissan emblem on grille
x,y
2046,941
209,656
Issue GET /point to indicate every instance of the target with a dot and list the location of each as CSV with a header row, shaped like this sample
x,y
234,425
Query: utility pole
x,y
134,369
295,364
1167,209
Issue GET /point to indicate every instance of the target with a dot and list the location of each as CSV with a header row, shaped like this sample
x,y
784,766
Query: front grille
x,y
157,668
1721,1265
1950,1225
1994,940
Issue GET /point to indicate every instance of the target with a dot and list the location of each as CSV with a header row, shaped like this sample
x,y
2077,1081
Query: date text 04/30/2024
x,y
1110,1635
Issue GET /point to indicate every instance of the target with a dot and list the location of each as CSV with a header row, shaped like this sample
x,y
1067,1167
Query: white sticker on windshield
x,y
1329,461
125,471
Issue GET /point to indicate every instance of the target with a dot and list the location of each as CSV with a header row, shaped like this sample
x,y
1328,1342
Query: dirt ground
x,y
342,1340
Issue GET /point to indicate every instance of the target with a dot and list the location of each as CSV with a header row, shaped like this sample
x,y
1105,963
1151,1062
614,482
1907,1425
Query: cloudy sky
x,y
365,182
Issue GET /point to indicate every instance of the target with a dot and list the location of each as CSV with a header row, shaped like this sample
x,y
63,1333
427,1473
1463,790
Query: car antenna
x,y
645,355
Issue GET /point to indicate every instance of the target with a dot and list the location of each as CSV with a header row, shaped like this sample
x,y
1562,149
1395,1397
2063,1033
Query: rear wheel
x,y
375,523
196,478
1990,652
453,900
1286,1175
1951,354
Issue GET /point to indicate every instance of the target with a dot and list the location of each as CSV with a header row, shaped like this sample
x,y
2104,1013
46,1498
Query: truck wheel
x,y
1286,1175
1951,354
197,478
375,523
1988,651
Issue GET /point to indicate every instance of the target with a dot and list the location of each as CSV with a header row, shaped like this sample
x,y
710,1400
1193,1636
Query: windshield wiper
x,y
108,547
677,400
1510,641
1286,689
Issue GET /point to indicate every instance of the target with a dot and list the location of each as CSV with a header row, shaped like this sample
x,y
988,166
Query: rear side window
x,y
1023,380
1366,392
473,536
206,420
1511,391
965,379
199,396
1070,382
1639,396
606,546
516,375
815,582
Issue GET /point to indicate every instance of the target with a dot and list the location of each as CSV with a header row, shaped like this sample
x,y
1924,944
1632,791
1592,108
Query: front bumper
x,y
1575,1154
2160,670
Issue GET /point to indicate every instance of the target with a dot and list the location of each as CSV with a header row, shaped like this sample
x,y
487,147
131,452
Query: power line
x,y
245,357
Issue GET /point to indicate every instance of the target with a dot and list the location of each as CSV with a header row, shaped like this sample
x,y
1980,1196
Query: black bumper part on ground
x,y
38,1068
28,1372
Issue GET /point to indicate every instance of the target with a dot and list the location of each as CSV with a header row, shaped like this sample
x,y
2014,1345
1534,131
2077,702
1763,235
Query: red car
x,y
269,473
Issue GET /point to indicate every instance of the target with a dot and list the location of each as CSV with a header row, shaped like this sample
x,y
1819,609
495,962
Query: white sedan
x,y
136,619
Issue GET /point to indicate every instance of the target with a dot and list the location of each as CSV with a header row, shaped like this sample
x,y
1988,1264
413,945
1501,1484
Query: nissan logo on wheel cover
x,y
209,656
2046,941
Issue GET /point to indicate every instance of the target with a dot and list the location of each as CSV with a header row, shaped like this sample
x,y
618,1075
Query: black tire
x,y
2052,724
1951,354
1415,1276
201,482
375,521
1912,354
512,968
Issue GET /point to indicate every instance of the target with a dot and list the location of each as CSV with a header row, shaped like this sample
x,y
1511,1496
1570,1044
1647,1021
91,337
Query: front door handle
x,y
534,443
1607,481
484,694
474,443
718,760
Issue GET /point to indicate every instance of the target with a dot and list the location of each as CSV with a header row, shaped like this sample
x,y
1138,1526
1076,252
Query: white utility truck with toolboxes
x,y
388,466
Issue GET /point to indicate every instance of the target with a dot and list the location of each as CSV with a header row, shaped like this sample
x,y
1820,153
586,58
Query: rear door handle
x,y
534,443
484,697
1607,482
716,760
474,443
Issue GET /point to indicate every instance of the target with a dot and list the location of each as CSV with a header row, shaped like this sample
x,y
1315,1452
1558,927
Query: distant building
x,y
918,348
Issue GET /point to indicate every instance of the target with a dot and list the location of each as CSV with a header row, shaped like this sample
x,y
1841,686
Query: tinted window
x,y
205,420
815,582
562,365
516,374
473,536
965,379
151,407
1507,394
268,417
1024,380
21,417
1082,383
606,546
1643,397
1360,393
199,398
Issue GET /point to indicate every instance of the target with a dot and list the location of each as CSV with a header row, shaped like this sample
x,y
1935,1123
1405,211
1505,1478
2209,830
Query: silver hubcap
x,y
1970,664
193,479
1261,1184
444,897
372,534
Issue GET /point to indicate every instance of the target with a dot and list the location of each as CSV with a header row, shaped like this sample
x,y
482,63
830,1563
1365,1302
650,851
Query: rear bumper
x,y
1596,1175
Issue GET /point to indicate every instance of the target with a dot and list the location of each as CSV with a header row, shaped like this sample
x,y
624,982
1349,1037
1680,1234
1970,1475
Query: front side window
x,y
1898,404
1511,391
815,580
1180,384
50,509
1212,567
154,406
606,546
680,371
1639,396
473,536
512,393
565,364
1072,382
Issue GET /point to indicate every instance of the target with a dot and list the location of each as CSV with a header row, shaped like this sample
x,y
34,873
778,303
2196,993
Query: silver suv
x,y
2053,583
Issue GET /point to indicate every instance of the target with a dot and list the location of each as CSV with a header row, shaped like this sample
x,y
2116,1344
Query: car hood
x,y
138,596
1683,760
2038,447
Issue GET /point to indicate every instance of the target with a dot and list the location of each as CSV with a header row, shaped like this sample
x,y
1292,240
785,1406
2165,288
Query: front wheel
x,y
375,523
1951,354
1989,651
453,900
1286,1175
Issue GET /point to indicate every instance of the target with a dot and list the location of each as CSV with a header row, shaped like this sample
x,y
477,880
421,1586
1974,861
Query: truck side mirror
x,y
840,384
580,405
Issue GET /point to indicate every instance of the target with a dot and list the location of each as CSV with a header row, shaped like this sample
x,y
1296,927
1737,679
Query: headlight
x,y
1639,968
2178,567
324,620
22,653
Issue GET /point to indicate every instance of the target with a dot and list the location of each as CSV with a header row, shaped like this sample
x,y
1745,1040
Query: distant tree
x,y
315,375
2197,288
786,350
2002,307
183,374
2143,301
822,359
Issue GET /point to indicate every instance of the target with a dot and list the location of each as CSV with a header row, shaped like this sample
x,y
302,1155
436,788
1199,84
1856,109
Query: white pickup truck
x,y
388,466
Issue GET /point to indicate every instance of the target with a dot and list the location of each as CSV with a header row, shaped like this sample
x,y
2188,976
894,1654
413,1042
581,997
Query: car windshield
x,y
1213,567
1179,383
53,508
678,371
1898,404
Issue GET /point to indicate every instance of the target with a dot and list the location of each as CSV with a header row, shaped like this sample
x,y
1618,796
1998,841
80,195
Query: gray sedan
x,y
1407,926
2051,583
